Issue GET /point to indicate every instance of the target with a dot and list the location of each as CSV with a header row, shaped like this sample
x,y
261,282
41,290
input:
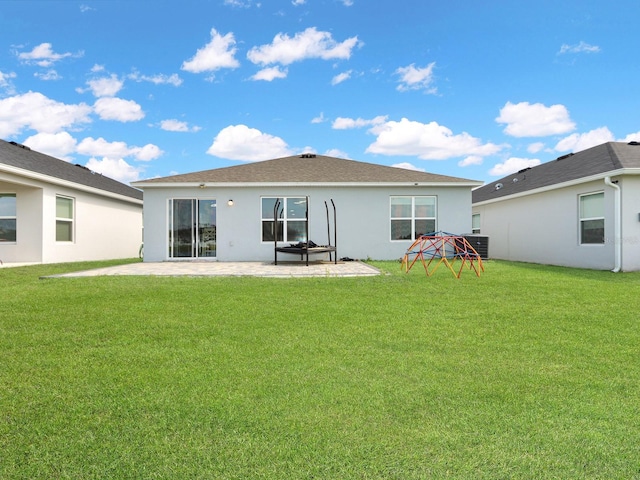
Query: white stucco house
x,y
227,214
55,211
580,210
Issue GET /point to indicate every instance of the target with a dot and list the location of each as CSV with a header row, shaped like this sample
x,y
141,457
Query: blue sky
x,y
146,88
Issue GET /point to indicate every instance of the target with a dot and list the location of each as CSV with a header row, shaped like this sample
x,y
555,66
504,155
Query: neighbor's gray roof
x,y
307,169
594,161
19,156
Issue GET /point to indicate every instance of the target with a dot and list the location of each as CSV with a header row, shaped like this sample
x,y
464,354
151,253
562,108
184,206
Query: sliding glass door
x,y
192,228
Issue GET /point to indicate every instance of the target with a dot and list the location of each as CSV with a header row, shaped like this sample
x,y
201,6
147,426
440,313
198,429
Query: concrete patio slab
x,y
234,269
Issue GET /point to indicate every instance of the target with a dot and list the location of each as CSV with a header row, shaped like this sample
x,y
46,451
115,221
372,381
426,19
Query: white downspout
x,y
617,221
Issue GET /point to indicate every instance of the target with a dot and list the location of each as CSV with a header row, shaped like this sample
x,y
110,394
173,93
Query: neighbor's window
x,y
7,217
64,219
412,217
475,223
290,222
592,218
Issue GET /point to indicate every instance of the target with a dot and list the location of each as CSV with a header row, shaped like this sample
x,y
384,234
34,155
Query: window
x,y
291,221
475,223
592,218
64,219
7,217
412,217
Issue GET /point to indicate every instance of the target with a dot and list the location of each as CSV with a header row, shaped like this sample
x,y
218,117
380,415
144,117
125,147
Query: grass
x,y
526,372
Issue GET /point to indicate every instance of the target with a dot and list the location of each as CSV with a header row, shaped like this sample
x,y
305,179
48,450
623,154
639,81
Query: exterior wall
x,y
363,219
544,228
104,228
28,245
630,215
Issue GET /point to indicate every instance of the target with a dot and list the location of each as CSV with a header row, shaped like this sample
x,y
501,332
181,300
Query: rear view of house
x,y
227,214
580,210
55,211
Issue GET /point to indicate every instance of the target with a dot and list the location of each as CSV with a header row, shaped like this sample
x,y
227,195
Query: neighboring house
x,y
580,210
55,211
228,213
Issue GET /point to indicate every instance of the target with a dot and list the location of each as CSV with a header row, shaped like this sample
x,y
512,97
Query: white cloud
x,y
240,3
105,86
408,166
270,73
147,153
334,152
535,120
116,150
311,43
319,119
341,77
427,141
578,142
535,147
345,123
173,125
43,56
5,80
581,47
298,2
117,169
47,76
412,78
100,147
632,137
512,165
218,53
470,160
59,145
97,68
159,79
35,111
239,142
112,108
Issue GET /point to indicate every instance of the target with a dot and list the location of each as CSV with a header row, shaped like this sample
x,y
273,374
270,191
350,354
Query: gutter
x,y
617,224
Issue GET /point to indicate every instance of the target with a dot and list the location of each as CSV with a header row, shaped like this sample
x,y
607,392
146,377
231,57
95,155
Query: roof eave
x,y
66,183
142,184
570,183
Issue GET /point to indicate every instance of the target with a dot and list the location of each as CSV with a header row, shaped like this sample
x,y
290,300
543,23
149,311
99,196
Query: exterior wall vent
x,y
633,142
308,155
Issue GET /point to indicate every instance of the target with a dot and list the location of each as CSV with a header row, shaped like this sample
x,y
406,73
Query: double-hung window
x,y
412,217
64,219
475,223
290,221
592,218
7,217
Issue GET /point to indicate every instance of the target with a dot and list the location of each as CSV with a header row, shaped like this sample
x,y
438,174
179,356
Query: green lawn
x,y
526,372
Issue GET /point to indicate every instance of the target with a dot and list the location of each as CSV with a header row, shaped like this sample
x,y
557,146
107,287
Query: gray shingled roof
x,y
307,169
587,163
19,156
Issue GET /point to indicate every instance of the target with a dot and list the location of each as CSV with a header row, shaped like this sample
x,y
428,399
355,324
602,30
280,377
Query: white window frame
x,y
412,217
582,219
70,221
267,216
13,217
475,223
